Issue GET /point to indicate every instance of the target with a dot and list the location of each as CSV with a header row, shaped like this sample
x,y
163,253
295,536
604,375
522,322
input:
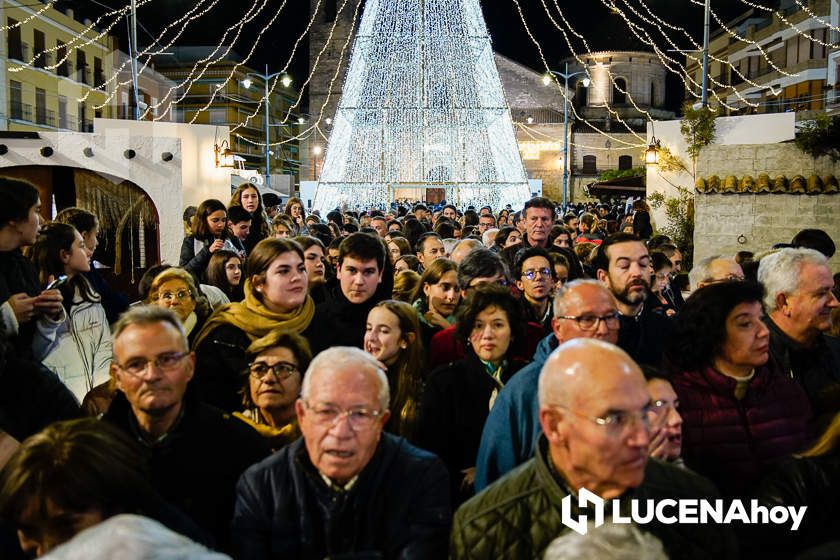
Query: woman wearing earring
x,y
458,396
272,383
392,336
276,298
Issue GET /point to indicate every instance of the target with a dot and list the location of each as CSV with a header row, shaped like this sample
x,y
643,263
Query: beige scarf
x,y
255,319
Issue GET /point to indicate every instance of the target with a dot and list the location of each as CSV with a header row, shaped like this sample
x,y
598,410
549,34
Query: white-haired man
x,y
345,489
798,301
715,269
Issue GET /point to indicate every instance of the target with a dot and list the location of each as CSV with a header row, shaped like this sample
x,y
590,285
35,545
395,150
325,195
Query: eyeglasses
x,y
180,295
137,366
616,424
531,274
591,322
281,370
360,419
727,278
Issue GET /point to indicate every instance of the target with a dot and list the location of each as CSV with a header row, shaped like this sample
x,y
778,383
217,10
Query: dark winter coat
x,y
734,443
397,508
339,322
816,369
645,337
807,481
195,261
453,409
32,397
196,465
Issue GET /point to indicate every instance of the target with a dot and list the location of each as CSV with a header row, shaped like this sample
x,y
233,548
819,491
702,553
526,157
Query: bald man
x,y
582,309
594,413
345,489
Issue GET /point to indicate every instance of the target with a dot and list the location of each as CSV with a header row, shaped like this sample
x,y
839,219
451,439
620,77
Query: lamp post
x,y
286,81
316,151
547,80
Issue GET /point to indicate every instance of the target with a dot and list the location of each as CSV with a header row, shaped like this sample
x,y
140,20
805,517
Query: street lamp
x,y
286,81
566,76
652,152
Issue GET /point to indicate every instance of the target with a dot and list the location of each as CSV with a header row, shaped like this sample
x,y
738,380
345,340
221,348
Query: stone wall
x,y
753,159
727,223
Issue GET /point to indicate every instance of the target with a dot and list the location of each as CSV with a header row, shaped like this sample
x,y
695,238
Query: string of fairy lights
x,y
640,20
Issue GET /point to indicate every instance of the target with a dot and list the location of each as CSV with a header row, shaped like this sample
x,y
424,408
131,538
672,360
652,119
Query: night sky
x,y
602,29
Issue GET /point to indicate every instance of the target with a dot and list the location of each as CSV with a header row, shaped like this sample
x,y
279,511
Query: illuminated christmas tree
x,y
423,107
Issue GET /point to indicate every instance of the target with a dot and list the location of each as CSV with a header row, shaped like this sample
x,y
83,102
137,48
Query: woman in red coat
x,y
741,414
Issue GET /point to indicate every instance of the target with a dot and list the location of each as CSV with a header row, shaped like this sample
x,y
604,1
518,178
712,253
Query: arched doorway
x,y
129,238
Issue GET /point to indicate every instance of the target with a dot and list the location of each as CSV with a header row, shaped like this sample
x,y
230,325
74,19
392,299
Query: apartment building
x,y
208,99
792,73
53,69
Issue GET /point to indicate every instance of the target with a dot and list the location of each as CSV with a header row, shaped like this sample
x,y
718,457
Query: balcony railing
x,y
85,125
20,111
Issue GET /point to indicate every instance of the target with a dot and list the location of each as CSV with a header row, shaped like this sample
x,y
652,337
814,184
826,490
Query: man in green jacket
x,y
595,414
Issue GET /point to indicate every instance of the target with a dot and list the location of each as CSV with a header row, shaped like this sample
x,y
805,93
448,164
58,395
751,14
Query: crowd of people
x,y
424,382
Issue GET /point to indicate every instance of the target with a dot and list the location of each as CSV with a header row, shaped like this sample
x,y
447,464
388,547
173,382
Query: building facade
x,y
53,69
779,64
215,100
598,138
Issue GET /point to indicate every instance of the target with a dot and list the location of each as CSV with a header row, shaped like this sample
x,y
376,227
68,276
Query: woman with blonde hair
x,y
248,197
175,289
276,298
392,336
405,284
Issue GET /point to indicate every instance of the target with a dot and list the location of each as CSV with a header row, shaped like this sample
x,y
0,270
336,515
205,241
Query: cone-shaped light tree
x,y
423,107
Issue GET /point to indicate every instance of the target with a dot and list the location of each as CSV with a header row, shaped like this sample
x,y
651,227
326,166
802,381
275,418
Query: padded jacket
x,y
518,516
734,443
816,369
397,508
806,481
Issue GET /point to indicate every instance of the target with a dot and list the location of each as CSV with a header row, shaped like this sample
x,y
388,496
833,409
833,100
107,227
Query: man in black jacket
x,y
196,452
623,265
345,489
798,302
341,320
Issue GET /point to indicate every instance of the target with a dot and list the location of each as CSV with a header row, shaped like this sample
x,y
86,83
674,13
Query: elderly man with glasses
x,y
196,453
595,415
345,489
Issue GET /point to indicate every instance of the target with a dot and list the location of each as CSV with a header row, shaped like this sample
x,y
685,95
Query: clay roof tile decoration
x,y
763,183
814,184
797,185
